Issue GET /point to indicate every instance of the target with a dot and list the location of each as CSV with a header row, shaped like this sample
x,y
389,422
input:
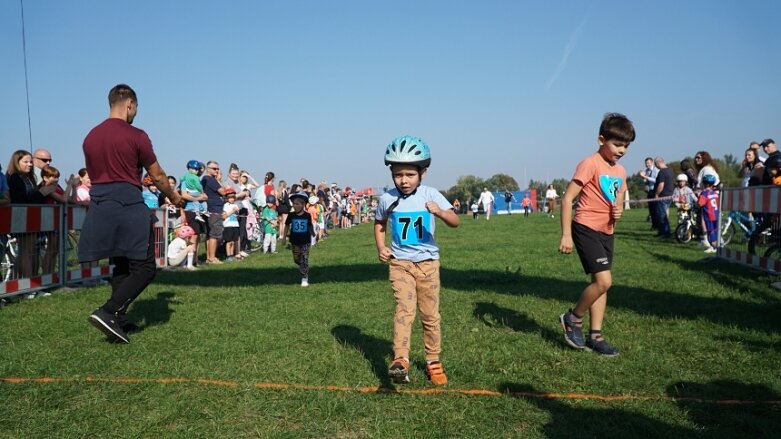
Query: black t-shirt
x,y
301,228
665,176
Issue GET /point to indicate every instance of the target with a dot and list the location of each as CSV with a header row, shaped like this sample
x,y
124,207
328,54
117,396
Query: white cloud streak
x,y
573,39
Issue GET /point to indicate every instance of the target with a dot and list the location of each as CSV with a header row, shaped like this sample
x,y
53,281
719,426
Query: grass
x,y
241,350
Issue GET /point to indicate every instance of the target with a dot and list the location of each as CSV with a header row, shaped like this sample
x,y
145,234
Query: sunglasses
x,y
44,160
213,168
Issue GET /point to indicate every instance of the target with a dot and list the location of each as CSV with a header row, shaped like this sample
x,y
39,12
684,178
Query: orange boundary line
x,y
433,391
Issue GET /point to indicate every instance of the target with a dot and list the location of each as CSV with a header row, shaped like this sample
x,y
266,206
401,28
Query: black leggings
x,y
129,278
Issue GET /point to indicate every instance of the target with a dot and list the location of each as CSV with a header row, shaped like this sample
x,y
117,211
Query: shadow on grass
x,y
152,312
751,414
664,304
573,419
495,316
372,348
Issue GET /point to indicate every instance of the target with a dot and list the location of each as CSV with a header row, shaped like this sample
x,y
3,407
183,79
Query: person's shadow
x,y
726,408
373,349
152,312
569,419
496,316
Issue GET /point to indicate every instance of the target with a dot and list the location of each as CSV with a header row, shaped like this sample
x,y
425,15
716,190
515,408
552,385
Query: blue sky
x,y
316,89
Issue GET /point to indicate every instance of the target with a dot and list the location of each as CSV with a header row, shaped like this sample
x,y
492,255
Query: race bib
x,y
609,187
410,228
299,225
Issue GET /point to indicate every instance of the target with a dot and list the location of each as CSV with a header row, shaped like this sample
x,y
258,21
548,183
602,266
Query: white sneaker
x,y
305,281
191,268
710,250
243,254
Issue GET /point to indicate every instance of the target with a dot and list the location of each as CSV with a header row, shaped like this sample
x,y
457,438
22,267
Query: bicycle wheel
x,y
774,251
727,233
8,261
683,233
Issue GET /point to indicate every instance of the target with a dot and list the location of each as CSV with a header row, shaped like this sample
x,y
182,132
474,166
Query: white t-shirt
x,y
551,193
176,247
231,220
485,198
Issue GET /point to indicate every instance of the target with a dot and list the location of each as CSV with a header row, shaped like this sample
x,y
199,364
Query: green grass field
x,y
241,350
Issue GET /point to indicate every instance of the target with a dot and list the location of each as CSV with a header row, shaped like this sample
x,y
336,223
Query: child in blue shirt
x,y
410,210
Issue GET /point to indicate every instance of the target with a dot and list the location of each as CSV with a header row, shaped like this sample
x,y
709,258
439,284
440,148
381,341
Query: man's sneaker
x,y
573,334
710,250
305,281
436,373
199,218
398,371
107,324
602,347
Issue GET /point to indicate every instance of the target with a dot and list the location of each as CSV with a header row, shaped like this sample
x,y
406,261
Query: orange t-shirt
x,y
313,212
602,184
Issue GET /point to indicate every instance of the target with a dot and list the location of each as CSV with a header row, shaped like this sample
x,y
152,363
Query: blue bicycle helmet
x,y
709,179
193,164
271,199
408,150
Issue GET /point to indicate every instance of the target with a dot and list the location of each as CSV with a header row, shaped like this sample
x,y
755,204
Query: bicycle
x,y
9,253
750,227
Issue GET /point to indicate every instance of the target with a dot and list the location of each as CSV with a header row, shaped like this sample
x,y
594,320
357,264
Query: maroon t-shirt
x,y
116,151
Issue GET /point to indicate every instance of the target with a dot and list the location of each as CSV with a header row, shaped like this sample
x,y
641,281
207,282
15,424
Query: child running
x,y
300,230
410,210
600,182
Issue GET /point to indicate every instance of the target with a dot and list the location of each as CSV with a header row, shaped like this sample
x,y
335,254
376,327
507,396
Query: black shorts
x,y
595,249
230,234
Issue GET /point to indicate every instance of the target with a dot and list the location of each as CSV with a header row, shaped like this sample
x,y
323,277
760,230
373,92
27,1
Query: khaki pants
x,y
416,286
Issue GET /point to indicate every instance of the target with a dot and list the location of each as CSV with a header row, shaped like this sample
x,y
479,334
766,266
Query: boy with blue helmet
x,y
191,185
410,210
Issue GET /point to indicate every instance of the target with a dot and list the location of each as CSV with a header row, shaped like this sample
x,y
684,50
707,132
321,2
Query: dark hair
x,y
706,160
766,142
269,177
616,126
686,165
120,93
82,172
13,164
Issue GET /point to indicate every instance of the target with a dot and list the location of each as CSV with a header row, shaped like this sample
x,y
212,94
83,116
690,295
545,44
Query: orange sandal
x,y
436,373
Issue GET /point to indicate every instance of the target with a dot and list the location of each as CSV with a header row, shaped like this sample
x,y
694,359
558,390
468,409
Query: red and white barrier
x,y
29,219
21,286
758,199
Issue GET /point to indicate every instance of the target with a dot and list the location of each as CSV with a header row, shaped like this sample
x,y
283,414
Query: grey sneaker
x,y
107,323
601,347
573,334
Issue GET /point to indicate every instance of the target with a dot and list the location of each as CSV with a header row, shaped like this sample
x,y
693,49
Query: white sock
x,y
190,257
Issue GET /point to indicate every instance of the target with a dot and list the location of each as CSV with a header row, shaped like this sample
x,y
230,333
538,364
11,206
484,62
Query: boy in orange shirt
x,y
600,182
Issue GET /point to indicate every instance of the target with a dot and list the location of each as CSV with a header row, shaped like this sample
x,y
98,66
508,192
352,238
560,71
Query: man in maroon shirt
x,y
118,224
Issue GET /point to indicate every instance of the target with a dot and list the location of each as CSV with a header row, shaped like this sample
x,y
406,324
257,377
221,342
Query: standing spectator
x,y
243,195
756,147
49,177
118,224
214,205
23,189
751,166
283,208
456,206
508,200
705,165
769,146
270,222
550,197
649,181
191,185
248,185
301,230
5,194
691,173
663,189
82,191
231,225
487,200
41,159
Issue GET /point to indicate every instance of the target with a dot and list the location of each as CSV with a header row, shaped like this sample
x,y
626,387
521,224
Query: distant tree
x,y
467,188
501,182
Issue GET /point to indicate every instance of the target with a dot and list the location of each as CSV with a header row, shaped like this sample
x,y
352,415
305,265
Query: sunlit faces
x,y
25,164
406,177
612,150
